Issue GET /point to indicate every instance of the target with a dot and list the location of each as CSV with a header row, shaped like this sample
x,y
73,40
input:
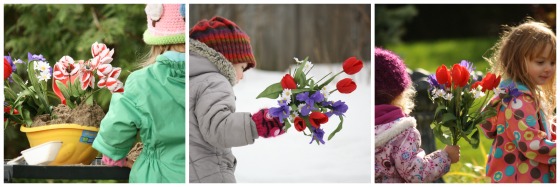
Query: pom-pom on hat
x,y
166,24
391,77
225,37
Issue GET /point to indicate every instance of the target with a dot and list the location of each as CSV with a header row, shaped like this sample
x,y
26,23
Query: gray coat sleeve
x,y
218,122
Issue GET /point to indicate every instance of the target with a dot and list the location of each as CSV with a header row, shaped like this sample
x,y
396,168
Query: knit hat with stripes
x,y
225,37
166,24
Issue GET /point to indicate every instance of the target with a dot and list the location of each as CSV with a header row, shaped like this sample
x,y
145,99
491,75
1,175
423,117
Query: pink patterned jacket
x,y
523,150
399,158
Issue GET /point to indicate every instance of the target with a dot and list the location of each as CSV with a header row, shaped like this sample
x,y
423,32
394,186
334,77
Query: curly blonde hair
x,y
405,100
518,46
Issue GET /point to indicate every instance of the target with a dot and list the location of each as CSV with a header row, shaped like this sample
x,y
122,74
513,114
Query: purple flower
x,y
339,108
433,82
511,92
281,112
467,65
306,109
33,57
304,96
317,134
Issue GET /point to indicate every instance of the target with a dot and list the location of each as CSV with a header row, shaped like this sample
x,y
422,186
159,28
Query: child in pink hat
x,y
152,105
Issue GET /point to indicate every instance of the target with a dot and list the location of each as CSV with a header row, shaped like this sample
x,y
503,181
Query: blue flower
x,y
512,92
339,108
306,109
304,96
433,82
317,134
33,57
281,112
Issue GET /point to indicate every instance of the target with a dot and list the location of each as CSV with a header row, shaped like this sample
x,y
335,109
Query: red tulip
x,y
490,81
460,75
288,82
346,86
299,124
352,65
317,118
443,76
7,68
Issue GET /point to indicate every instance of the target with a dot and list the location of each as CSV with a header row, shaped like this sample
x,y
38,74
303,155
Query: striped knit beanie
x,y
225,37
166,24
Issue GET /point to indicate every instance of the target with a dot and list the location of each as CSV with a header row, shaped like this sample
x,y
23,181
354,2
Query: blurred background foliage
x,y
428,35
70,29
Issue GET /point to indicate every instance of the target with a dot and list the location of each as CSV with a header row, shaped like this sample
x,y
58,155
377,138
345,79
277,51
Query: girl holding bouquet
x,y
524,147
219,53
398,156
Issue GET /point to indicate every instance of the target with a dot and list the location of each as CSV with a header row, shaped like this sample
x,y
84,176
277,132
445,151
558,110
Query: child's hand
x,y
454,152
267,126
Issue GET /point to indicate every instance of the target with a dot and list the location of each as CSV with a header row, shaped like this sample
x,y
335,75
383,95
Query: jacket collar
x,y
222,65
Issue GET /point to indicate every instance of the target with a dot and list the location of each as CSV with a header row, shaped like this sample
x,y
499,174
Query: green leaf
x,y
272,91
448,117
287,125
76,87
438,133
475,139
299,77
299,90
439,109
338,128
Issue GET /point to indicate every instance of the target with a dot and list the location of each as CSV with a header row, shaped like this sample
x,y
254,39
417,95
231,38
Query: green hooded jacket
x,y
153,106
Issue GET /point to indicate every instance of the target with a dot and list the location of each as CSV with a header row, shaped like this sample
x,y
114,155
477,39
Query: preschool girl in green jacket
x,y
152,105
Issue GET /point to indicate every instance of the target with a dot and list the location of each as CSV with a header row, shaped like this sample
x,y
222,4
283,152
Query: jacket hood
x,y
203,59
387,131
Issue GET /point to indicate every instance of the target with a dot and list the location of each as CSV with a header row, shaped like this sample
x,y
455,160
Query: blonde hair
x,y
519,45
156,50
405,100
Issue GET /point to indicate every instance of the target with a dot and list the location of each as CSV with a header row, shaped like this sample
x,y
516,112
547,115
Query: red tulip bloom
x,y
7,69
299,124
460,75
352,65
346,86
490,81
443,76
288,82
317,118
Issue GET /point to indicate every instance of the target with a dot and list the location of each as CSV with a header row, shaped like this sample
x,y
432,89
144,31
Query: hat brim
x,y
151,39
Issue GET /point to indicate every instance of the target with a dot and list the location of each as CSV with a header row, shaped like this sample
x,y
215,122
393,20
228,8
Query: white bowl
x,y
42,154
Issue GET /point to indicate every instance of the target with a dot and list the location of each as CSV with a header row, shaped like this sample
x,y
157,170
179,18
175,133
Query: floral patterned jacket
x,y
399,158
523,150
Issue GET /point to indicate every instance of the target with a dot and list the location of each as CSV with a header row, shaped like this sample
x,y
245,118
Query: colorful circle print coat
x,y
524,147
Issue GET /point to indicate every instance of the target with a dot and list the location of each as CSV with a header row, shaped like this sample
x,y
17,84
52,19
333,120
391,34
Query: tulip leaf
x,y
75,87
448,117
338,128
440,135
287,126
272,91
475,139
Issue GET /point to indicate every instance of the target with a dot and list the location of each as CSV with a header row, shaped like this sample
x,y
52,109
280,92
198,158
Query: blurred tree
x,y
390,21
58,30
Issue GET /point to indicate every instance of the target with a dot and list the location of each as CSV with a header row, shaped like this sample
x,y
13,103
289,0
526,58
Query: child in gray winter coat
x,y
398,156
219,53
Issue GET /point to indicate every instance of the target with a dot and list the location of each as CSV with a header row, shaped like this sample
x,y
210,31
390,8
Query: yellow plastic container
x,y
76,142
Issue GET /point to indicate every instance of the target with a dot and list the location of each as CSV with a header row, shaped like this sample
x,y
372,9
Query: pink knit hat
x,y
166,24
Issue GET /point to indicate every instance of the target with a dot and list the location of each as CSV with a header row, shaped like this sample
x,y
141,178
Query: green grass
x,y
429,55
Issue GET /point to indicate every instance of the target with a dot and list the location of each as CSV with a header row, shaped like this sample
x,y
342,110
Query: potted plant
x,y
75,120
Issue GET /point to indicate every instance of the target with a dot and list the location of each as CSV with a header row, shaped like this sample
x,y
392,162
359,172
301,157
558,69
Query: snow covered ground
x,y
290,157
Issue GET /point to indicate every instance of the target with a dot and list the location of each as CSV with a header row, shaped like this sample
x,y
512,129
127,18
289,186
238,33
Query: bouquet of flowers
x,y
460,102
303,102
26,94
